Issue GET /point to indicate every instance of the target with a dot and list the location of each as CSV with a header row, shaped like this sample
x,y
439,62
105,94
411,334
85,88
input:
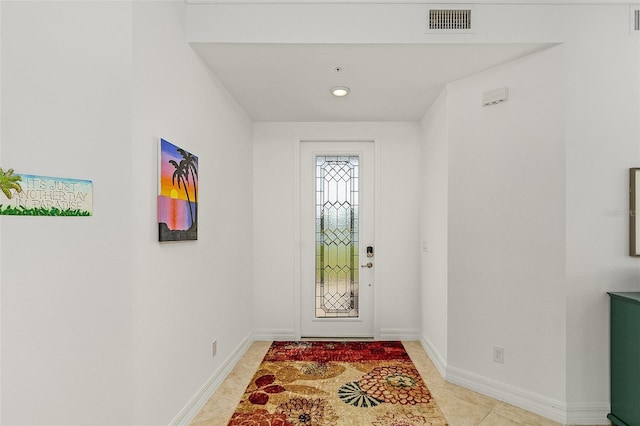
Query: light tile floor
x,y
461,407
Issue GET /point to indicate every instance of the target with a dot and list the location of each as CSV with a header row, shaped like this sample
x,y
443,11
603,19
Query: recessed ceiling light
x,y
340,91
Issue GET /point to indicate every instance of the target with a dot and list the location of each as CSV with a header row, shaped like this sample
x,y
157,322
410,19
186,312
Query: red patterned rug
x,y
337,383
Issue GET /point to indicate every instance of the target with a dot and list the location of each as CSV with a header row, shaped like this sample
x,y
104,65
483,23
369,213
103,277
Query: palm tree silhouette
x,y
191,167
9,181
181,174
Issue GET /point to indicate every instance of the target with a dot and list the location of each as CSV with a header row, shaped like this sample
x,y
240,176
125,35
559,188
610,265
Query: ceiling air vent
x,y
449,20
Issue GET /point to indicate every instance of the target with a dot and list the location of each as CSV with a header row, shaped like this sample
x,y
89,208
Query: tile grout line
x,y
488,414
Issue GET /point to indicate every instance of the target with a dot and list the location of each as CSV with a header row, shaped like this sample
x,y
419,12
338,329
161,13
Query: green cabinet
x,y
625,359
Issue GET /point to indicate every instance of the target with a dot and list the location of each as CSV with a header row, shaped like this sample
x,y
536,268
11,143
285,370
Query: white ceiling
x,y
456,2
389,82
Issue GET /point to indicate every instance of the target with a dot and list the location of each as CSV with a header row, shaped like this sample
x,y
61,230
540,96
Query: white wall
x,y
599,67
1,399
506,260
434,197
101,324
397,258
601,91
66,282
603,141
186,294
494,274
602,98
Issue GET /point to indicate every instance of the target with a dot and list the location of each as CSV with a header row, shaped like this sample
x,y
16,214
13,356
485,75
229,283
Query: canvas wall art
x,y
177,193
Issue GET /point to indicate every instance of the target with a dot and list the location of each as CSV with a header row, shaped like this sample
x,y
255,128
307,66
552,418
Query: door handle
x,y
367,265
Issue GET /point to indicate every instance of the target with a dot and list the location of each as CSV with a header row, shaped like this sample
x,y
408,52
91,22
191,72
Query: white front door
x,y
337,233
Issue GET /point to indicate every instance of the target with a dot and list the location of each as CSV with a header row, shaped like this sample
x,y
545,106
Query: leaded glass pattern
x,y
336,237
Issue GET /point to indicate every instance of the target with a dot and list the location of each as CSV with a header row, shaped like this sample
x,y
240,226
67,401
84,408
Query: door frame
x,y
297,291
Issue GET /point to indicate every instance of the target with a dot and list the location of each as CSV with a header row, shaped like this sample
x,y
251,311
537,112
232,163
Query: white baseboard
x,y
289,334
193,407
273,334
530,401
399,334
589,414
434,355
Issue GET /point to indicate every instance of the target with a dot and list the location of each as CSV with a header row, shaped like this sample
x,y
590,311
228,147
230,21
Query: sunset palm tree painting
x,y
177,194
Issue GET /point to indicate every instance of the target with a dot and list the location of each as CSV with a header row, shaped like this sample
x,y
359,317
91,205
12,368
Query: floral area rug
x,y
337,383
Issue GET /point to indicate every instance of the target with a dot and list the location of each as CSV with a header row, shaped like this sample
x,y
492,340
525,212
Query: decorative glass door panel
x,y
336,225
337,271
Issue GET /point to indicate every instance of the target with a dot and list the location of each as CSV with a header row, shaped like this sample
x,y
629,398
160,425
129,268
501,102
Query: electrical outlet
x,y
498,354
214,347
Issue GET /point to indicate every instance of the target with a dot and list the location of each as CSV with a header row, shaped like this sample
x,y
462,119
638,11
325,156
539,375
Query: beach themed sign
x,y
34,195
